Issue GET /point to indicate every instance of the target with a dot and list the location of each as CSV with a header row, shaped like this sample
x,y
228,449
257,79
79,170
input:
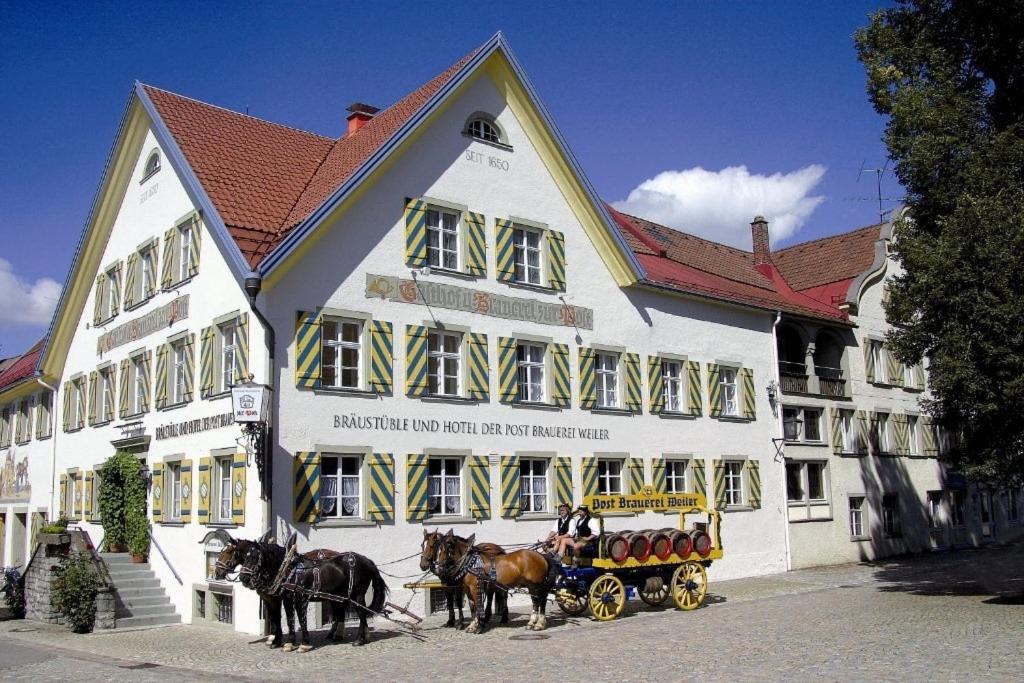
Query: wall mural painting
x,y
14,484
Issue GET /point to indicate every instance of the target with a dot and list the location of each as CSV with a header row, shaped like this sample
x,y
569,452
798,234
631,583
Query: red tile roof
x,y
21,366
264,178
829,259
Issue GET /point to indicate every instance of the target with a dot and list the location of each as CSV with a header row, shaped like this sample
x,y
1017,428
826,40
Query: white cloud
x,y
719,205
23,302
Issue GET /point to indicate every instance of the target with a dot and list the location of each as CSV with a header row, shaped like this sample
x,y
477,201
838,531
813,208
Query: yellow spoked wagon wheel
x,y
654,591
689,585
571,603
607,597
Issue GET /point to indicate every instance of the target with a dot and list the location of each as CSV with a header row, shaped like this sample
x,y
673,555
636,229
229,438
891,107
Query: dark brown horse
x,y
453,589
520,569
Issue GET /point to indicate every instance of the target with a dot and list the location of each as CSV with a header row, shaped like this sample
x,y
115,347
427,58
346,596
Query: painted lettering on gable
x,y
486,160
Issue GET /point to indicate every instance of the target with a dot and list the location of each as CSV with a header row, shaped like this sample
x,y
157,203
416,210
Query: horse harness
x,y
472,563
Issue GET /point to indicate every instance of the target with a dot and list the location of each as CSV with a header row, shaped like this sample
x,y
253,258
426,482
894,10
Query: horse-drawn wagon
x,y
655,564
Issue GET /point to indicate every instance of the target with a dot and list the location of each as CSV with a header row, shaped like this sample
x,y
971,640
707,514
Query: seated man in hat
x,y
583,540
563,529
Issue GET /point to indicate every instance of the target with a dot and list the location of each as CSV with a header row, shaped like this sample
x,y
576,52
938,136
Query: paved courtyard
x,y
946,617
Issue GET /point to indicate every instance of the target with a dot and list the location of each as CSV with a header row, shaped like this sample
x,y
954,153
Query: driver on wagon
x,y
585,535
563,530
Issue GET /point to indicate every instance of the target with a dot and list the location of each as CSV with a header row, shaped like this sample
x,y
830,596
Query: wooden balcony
x,y
831,382
793,377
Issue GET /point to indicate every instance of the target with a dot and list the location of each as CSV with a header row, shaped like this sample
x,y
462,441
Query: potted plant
x,y
138,531
122,490
54,533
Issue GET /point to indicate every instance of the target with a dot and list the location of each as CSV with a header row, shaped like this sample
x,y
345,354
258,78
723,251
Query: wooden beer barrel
x,y
701,542
616,546
661,545
682,545
639,546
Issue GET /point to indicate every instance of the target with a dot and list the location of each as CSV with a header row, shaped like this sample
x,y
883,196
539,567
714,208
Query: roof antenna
x,y
247,110
879,172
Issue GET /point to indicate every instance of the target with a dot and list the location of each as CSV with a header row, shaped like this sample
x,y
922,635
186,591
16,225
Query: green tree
x,y
949,77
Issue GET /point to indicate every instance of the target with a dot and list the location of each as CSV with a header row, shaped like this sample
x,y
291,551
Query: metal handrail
x,y
789,367
824,372
167,561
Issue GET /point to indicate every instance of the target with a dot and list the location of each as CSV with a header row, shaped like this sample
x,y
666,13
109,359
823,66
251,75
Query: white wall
x,y
370,239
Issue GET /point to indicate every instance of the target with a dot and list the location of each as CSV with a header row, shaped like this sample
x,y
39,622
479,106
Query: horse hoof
x,y
288,647
304,648
273,646
360,643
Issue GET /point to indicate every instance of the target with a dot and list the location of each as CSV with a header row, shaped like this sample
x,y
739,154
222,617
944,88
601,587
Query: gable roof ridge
x,y
691,235
875,226
238,113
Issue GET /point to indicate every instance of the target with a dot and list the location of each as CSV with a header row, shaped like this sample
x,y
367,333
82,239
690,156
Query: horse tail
x,y
554,571
380,589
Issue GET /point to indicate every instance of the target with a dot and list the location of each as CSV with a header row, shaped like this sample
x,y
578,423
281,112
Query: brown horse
x,y
520,569
453,589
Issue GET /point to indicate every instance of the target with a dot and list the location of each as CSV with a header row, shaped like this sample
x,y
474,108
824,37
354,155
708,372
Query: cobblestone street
x,y
941,618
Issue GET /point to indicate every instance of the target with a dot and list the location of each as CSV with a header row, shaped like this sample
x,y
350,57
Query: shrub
x,y
122,497
137,530
58,527
74,591
13,591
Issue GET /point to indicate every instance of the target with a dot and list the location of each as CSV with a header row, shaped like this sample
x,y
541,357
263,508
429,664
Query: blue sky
x,y
697,114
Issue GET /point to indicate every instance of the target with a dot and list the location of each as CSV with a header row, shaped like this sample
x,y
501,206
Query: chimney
x,y
361,113
762,251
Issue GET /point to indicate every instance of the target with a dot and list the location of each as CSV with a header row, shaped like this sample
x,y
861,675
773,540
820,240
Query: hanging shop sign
x,y
250,402
390,423
134,330
647,500
202,424
458,298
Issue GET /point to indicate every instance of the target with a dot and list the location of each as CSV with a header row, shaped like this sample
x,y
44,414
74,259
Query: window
x,y
152,166
957,512
71,495
846,424
185,265
934,510
147,273
442,239
106,411
527,255
609,477
734,483
881,435
878,360
340,490
228,349
5,427
174,488
78,419
530,358
43,414
801,424
794,482
24,432
138,403
727,379
342,341
806,482
857,517
791,424
223,608
112,296
891,515
444,493
222,489
607,380
675,476
912,436
483,130
672,385
180,369
533,485
443,363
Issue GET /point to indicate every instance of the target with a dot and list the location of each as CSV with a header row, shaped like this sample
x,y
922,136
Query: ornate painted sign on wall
x,y
14,484
136,329
475,301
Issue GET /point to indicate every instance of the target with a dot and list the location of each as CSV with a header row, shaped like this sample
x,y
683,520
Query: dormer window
x,y
152,166
483,130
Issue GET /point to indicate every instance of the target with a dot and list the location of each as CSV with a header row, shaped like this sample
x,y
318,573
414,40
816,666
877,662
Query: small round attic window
x,y
483,130
152,165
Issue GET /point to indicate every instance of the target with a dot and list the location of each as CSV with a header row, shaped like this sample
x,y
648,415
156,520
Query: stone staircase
x,y
139,599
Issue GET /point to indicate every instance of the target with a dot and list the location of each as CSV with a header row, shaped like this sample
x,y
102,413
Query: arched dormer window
x,y
152,166
483,127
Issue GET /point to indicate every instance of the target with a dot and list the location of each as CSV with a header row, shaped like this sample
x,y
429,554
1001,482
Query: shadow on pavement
x,y
994,572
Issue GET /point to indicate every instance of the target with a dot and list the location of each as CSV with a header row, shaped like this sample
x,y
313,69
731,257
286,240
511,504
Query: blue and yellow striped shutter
x,y
416,384
63,495
67,405
479,487
836,430
382,488
415,233
893,368
714,391
754,481
479,384
381,357
97,302
504,250
306,487
556,260
694,400
699,479
563,480
206,362
158,492
242,349
510,486
636,475
929,439
508,370
655,385
919,379
238,471
634,392
129,279
197,236
190,367
147,365
115,292
588,389
93,403
186,491
152,273
658,475
748,397
87,496
719,473
476,243
869,360
204,490
307,349
417,469
122,397
863,432
561,382
161,376
588,467
167,267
